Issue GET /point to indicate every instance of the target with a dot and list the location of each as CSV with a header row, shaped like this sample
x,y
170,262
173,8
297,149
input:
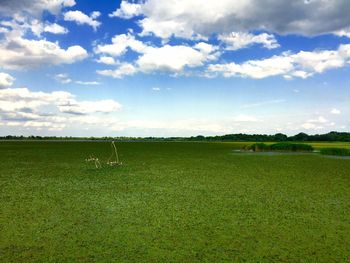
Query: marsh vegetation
x,y
171,201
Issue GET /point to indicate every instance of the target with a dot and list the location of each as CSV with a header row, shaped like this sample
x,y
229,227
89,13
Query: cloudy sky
x,y
174,68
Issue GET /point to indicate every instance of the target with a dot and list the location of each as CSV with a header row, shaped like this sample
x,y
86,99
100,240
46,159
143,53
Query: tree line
x,y
278,137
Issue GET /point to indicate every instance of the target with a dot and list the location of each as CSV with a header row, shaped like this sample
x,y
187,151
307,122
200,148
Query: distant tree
x,y
280,137
301,137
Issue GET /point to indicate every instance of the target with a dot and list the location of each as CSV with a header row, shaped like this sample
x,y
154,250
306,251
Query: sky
x,y
174,68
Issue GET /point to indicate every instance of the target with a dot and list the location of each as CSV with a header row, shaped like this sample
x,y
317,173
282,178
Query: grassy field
x,y
171,202
320,145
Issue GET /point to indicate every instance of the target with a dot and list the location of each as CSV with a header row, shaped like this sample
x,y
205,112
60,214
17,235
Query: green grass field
x,y
171,202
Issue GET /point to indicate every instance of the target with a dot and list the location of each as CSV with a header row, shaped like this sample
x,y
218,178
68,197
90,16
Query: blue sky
x,y
174,68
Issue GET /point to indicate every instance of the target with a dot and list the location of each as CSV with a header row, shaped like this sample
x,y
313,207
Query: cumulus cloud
x,y
310,126
17,52
277,65
106,60
62,78
239,40
319,119
55,29
172,58
38,27
34,7
193,18
335,111
51,110
127,10
317,123
20,51
24,100
28,110
301,65
80,18
86,107
120,44
3,30
343,33
6,80
124,69
20,25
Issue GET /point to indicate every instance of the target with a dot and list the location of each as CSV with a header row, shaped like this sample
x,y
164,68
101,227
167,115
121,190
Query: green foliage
x,y
335,151
171,202
283,146
259,147
293,147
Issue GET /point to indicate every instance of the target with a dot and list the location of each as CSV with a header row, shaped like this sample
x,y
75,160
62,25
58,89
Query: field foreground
x,y
171,202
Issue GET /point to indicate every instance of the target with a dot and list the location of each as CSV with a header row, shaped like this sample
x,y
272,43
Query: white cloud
x,y
87,107
106,60
239,40
37,27
166,29
87,82
127,10
63,78
302,65
55,29
6,80
335,111
124,69
19,25
120,44
24,100
308,126
156,89
317,124
19,53
164,58
3,30
53,111
258,69
319,119
343,33
205,47
33,7
32,111
172,58
320,61
80,18
193,18
95,14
